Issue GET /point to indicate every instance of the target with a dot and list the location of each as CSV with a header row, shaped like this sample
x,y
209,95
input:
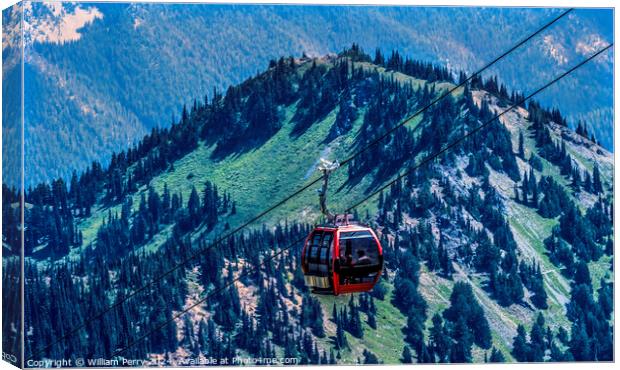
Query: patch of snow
x,y
590,44
61,25
555,50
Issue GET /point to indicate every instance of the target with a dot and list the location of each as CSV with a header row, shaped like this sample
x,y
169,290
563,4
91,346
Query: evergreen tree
x,y
372,321
521,149
341,339
354,321
370,358
496,356
520,346
462,336
463,305
406,357
597,185
537,341
439,340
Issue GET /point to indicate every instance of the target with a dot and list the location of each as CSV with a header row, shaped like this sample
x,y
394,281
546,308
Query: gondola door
x,y
358,261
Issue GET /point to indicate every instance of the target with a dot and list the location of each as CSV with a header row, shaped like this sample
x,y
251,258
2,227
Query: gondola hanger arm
x,y
326,167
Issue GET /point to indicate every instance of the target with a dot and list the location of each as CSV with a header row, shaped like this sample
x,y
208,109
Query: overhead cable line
x,y
423,162
477,129
300,190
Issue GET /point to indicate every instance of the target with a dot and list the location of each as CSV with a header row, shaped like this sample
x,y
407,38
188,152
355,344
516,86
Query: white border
x,y
503,3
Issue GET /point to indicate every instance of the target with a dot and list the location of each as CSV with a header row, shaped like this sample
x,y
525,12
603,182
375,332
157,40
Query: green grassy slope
x,y
259,178
387,341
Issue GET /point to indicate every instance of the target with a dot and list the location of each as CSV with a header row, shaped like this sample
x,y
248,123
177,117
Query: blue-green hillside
x,y
498,250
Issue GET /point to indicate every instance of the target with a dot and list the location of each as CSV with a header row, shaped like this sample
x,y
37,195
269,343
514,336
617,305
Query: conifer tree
x,y
496,356
406,356
597,185
372,321
463,305
520,346
439,340
461,348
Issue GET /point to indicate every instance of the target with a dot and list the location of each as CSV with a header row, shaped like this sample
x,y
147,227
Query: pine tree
x,y
379,60
597,185
525,188
341,339
414,330
520,346
193,206
516,193
537,340
461,349
372,321
406,357
439,340
496,356
580,343
444,258
370,358
534,189
355,322
464,305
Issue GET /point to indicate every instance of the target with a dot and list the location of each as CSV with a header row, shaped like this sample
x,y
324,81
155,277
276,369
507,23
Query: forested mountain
x,y
499,250
100,76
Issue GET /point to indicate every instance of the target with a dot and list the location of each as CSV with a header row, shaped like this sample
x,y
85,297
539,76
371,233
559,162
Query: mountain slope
x,y
477,244
108,93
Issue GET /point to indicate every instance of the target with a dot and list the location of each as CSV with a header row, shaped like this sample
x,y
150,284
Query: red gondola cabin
x,y
339,259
